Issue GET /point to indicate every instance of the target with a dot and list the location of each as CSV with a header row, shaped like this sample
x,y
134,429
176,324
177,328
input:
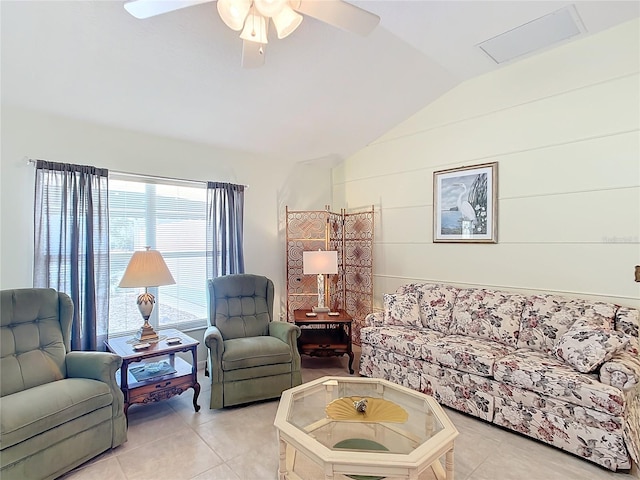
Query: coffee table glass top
x,y
363,415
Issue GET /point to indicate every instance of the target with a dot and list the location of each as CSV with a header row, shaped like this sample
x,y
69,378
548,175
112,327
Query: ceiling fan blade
x,y
339,14
253,54
150,8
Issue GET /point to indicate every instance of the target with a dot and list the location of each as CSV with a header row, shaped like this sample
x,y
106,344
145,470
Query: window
x,y
169,216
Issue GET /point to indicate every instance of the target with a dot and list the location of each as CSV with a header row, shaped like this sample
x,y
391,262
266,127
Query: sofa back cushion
x,y
401,309
627,320
546,318
436,304
488,314
32,348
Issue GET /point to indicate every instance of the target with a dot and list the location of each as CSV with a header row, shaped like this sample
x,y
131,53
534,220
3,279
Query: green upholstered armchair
x,y
250,357
58,408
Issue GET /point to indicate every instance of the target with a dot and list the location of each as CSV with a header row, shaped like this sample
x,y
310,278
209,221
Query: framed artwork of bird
x,y
465,204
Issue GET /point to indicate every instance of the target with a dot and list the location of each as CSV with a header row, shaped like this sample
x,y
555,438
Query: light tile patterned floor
x,y
168,440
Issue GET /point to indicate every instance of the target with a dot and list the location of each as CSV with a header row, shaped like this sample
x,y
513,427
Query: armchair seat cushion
x,y
253,352
27,413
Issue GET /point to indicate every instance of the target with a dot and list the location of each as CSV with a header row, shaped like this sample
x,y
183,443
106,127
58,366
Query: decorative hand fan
x,y
366,410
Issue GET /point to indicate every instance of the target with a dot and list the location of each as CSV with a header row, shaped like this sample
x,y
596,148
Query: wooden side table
x,y
157,388
331,335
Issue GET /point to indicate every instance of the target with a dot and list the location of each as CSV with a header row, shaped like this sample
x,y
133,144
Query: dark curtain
x,y
71,244
225,206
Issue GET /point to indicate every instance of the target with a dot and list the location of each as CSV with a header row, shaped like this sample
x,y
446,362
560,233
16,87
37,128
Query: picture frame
x,y
465,204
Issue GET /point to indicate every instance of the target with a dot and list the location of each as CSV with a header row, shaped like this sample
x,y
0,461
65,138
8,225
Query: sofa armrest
x,y
631,432
622,371
215,343
101,366
374,319
95,365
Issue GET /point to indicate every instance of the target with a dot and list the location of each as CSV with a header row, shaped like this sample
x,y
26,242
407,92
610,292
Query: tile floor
x,y
168,440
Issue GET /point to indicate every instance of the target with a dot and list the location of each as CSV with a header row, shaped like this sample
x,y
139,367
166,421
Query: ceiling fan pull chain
x,y
253,20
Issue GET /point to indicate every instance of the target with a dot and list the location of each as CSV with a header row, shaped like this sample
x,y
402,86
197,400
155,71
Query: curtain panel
x,y
71,244
225,207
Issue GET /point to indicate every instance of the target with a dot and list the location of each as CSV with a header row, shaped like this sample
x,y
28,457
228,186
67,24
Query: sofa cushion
x,y
590,441
436,304
401,309
404,340
30,412
488,314
467,354
585,348
462,391
536,371
546,318
254,351
568,411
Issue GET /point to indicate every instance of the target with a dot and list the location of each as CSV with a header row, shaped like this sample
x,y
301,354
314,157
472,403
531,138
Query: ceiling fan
x,y
252,18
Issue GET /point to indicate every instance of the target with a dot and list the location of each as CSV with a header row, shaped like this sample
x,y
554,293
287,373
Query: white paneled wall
x,y
564,127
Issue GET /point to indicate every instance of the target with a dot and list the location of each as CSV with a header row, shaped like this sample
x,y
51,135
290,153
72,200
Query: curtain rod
x,y
31,161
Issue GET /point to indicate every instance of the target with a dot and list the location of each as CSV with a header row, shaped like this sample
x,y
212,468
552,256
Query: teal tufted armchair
x,y
58,408
251,357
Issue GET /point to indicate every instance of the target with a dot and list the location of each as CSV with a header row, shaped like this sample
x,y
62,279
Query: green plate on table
x,y
361,444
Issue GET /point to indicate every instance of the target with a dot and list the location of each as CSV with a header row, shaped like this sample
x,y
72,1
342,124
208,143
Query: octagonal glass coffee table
x,y
361,429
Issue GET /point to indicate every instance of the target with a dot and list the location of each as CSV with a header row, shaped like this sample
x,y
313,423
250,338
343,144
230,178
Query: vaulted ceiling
x,y
322,94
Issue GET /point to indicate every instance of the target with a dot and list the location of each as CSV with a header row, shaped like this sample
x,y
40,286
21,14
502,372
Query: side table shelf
x,y
162,387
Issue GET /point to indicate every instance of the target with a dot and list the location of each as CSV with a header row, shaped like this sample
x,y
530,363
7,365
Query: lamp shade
x,y
146,269
286,21
233,12
255,29
324,262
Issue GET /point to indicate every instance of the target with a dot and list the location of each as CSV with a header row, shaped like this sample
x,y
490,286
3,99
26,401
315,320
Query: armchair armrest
x,y
285,331
374,319
622,371
288,333
101,366
215,343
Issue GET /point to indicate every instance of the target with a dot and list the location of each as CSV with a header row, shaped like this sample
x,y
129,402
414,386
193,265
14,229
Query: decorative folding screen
x,y
351,235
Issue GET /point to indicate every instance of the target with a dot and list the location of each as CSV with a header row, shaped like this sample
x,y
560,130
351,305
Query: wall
x,y
564,128
272,183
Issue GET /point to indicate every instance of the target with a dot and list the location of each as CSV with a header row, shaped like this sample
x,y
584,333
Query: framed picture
x,y
465,204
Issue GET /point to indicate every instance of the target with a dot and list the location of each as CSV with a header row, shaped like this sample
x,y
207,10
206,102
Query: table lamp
x,y
146,269
321,263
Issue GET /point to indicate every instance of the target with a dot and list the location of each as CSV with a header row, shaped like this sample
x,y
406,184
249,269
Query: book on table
x,y
152,370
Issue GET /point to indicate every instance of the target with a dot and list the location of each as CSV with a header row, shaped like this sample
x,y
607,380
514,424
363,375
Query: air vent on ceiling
x,y
541,33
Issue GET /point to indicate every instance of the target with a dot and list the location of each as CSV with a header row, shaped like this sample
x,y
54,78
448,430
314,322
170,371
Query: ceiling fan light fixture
x,y
233,12
286,21
270,8
255,29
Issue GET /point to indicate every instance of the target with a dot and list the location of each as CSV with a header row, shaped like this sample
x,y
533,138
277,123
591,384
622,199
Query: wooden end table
x,y
329,337
157,388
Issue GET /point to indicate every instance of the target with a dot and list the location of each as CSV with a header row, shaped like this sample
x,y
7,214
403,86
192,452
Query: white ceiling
x,y
322,94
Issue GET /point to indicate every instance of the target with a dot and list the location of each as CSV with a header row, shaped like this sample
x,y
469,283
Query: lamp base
x,y
146,333
320,309
145,305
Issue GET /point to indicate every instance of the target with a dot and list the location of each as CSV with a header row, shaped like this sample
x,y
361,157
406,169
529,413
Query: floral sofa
x,y
564,371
